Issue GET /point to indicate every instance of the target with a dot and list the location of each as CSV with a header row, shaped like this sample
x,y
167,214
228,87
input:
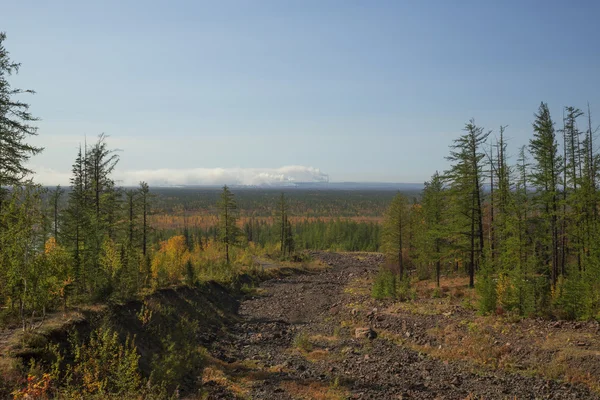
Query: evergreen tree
x,y
15,126
544,177
55,200
228,230
395,227
282,217
433,210
144,196
465,177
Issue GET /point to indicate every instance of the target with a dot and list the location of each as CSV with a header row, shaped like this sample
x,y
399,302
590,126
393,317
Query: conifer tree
x,y
282,217
55,200
433,210
16,126
544,177
144,196
228,230
395,227
465,177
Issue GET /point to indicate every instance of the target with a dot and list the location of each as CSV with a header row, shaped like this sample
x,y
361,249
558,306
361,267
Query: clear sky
x,y
358,90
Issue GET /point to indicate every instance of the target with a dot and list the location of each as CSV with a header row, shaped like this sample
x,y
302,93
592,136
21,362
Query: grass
x,y
516,345
237,377
219,377
315,390
302,342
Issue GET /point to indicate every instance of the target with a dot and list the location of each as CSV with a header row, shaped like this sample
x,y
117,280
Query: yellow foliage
x,y
110,259
168,265
505,290
556,290
50,245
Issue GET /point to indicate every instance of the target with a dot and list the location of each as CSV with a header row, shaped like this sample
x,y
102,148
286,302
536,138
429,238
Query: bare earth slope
x,y
296,339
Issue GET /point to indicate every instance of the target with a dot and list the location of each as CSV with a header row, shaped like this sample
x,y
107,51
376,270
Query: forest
x,y
526,235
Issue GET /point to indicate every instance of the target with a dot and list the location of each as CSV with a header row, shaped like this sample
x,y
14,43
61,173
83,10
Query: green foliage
x,y
465,177
336,235
104,365
389,285
569,297
486,287
384,285
302,342
229,233
395,232
15,126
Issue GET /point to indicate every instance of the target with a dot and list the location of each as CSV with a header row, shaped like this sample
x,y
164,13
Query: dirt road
x,y
296,339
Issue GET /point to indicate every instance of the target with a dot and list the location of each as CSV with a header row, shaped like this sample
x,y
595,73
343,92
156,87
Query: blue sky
x,y
361,90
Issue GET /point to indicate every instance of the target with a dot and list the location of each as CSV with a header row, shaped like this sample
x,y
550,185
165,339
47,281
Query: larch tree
x,y
395,227
76,221
433,211
144,198
465,177
282,218
16,126
545,178
228,230
55,197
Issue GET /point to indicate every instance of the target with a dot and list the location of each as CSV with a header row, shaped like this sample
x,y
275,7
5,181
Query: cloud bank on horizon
x,y
199,176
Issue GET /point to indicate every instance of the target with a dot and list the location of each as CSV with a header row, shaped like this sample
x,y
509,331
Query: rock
x,y
365,333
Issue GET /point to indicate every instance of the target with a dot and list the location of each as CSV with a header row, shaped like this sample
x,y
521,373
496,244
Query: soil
x,y
296,339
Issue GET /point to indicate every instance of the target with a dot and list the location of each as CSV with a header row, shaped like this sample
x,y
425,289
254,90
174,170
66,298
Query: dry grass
x,y
317,355
220,378
324,339
570,360
359,287
238,377
314,391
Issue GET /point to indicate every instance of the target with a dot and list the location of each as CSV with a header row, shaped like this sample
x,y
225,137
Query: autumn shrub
x,y
169,263
102,367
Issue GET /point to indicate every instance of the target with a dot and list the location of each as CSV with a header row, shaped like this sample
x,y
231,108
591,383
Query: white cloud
x,y
199,176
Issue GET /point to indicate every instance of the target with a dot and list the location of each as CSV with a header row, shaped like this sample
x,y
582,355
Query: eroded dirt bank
x,y
296,339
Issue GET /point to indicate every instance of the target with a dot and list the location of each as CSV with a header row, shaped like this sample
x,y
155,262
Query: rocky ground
x,y
297,339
